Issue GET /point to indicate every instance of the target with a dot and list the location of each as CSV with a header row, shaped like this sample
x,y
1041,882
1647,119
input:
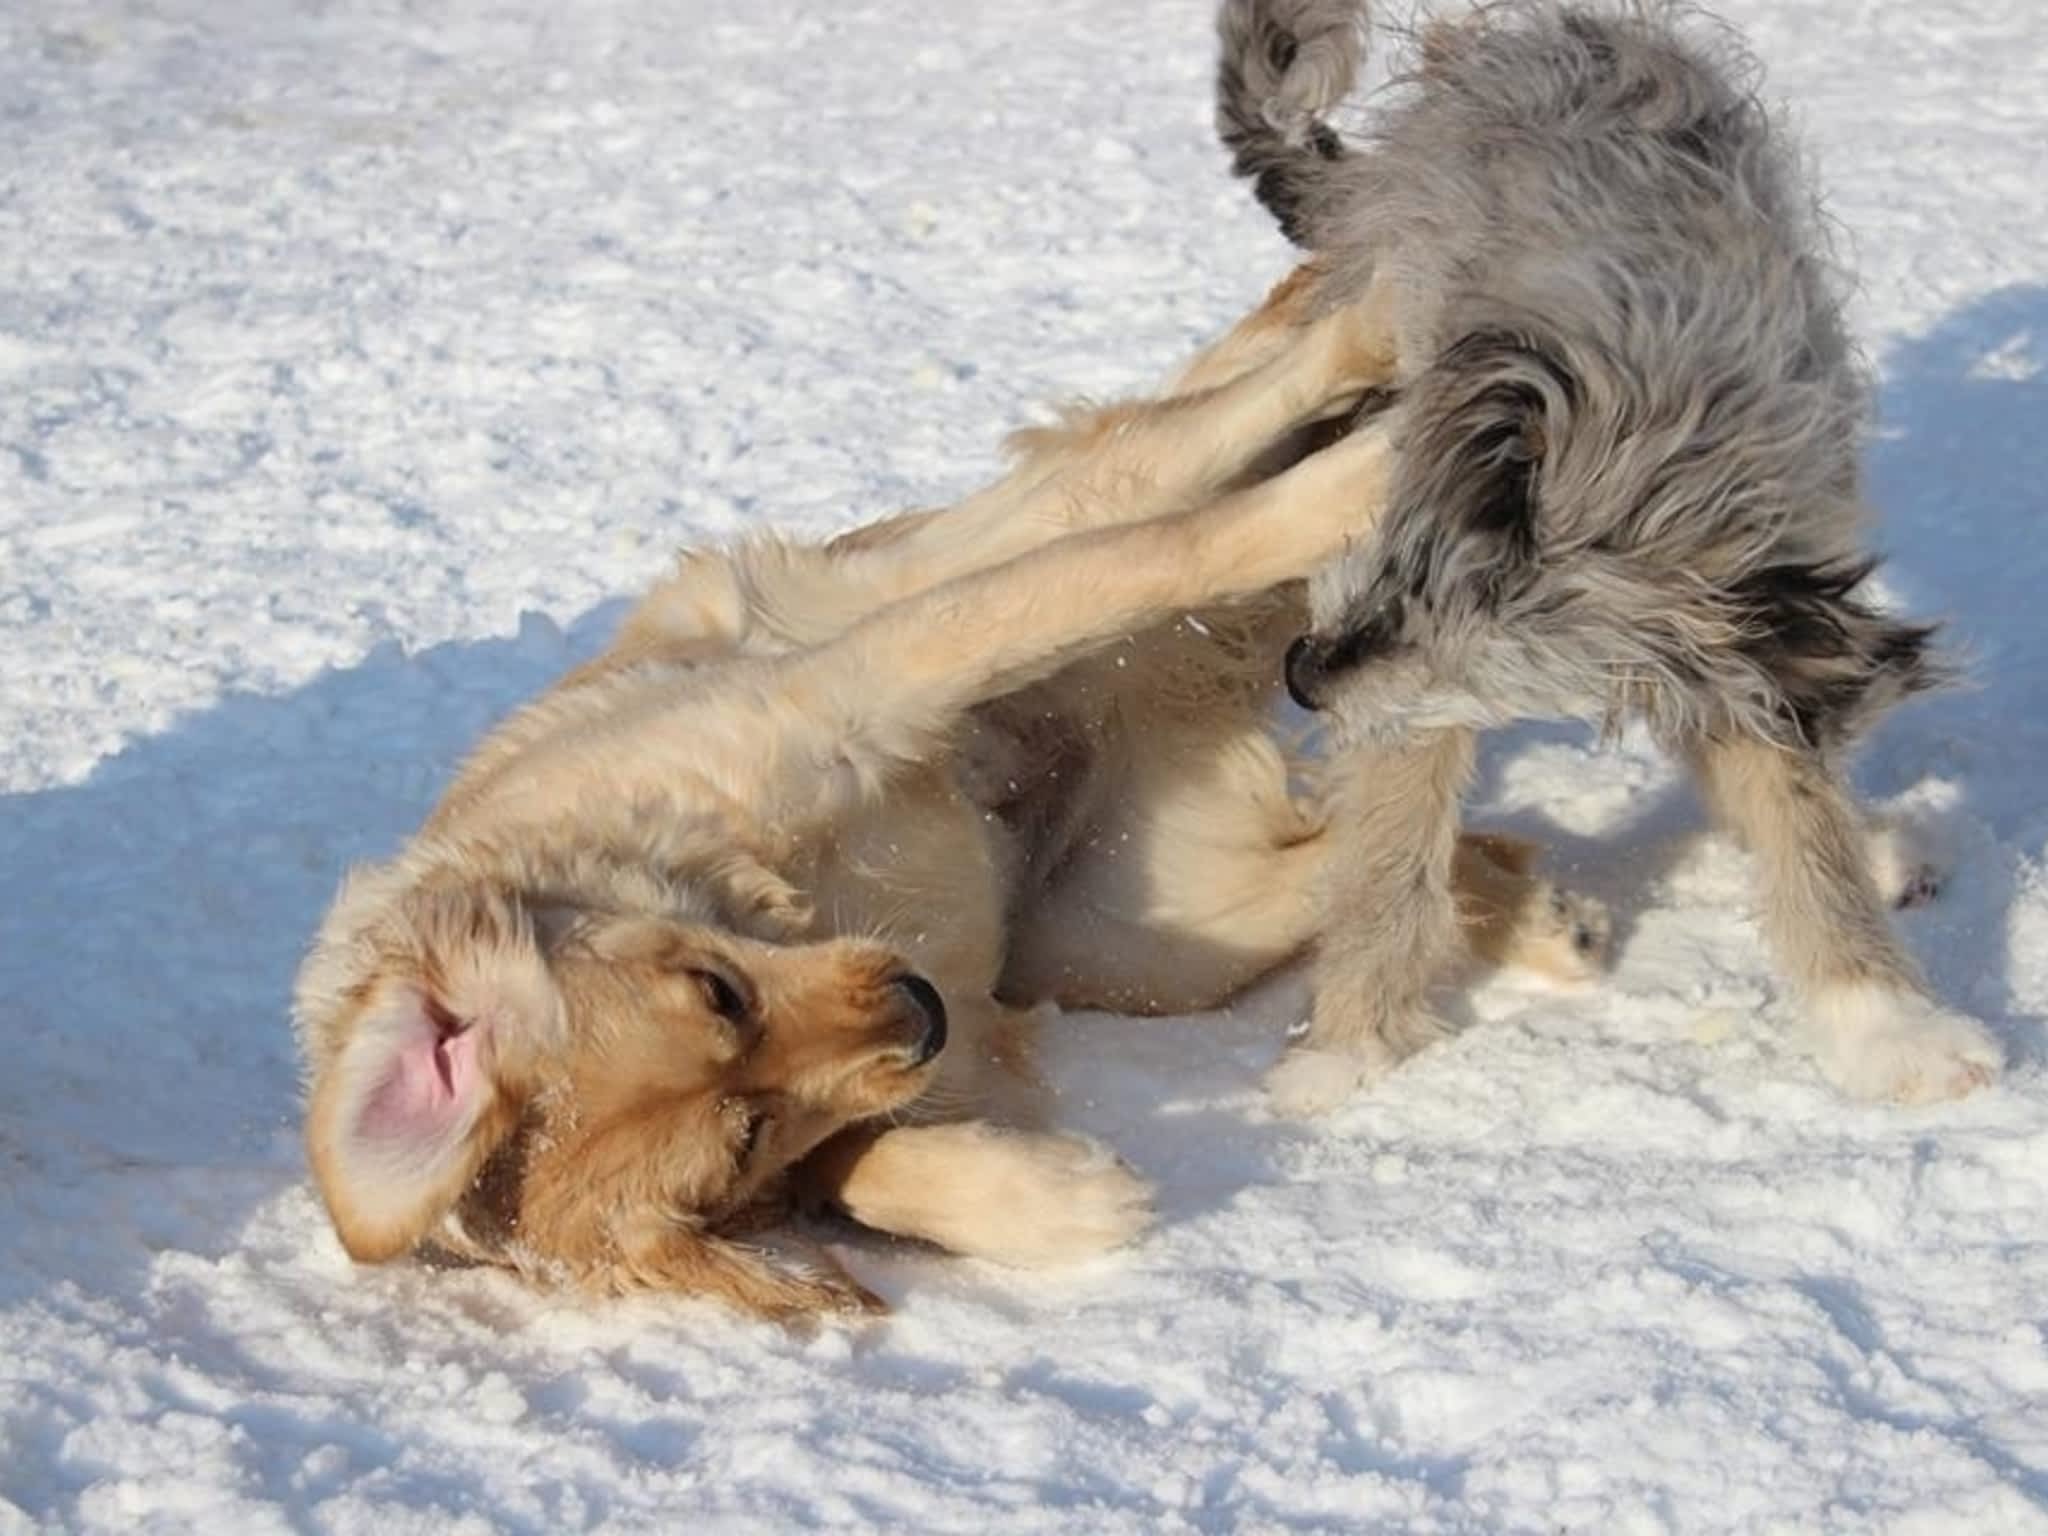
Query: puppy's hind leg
x,y
1511,917
1389,921
1194,884
1876,1032
1180,896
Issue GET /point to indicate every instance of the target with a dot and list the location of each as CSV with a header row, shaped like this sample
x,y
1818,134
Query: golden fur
x,y
657,966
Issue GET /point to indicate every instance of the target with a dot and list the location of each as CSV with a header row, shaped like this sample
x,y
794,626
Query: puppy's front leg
x,y
1877,1033
1287,307
1389,923
892,688
1126,462
1026,1199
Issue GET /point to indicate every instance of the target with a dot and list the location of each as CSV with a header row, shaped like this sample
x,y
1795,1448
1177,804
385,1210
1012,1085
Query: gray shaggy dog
x,y
1628,421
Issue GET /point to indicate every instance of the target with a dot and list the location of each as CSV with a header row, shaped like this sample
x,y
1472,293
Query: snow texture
x,y
357,358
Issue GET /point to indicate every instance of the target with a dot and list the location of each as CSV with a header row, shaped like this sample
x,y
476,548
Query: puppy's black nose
x,y
924,997
1303,670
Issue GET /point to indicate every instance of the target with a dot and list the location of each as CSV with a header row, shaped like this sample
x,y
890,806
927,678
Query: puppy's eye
x,y
720,995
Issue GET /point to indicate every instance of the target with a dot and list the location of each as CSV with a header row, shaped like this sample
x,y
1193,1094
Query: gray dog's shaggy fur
x,y
1629,420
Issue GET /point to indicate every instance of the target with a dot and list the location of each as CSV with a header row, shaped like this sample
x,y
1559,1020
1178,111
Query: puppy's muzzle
x,y
925,1002
1316,667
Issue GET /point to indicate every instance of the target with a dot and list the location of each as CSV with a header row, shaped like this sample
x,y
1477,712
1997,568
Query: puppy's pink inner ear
x,y
432,1079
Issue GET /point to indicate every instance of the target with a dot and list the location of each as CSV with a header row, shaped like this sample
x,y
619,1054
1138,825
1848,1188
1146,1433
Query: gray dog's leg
x,y
1875,1031
1390,926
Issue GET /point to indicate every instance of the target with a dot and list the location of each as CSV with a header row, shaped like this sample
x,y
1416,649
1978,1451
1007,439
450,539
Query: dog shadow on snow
x,y
161,906
159,909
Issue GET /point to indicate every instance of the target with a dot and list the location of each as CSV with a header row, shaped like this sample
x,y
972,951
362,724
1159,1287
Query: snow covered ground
x,y
356,356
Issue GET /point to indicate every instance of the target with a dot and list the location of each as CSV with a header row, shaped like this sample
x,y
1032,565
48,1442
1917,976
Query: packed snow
x,y
358,358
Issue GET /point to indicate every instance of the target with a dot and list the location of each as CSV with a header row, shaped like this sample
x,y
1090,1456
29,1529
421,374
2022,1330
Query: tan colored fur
x,y
1876,1031
790,774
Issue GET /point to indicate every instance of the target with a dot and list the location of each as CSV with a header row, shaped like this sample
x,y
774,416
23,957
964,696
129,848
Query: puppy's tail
x,y
1283,64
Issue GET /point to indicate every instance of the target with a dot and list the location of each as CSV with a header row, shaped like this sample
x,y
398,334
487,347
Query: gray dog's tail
x,y
1284,64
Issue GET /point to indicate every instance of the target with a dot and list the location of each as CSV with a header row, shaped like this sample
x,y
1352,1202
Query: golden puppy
x,y
747,910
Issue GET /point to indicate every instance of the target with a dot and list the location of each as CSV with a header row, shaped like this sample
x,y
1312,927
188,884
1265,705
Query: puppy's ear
x,y
430,1074
1487,411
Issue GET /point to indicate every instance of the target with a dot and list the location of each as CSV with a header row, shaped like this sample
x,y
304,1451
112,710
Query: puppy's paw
x,y
1565,937
1894,1047
1026,1199
1906,861
822,1293
1042,1200
1344,354
1309,1081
